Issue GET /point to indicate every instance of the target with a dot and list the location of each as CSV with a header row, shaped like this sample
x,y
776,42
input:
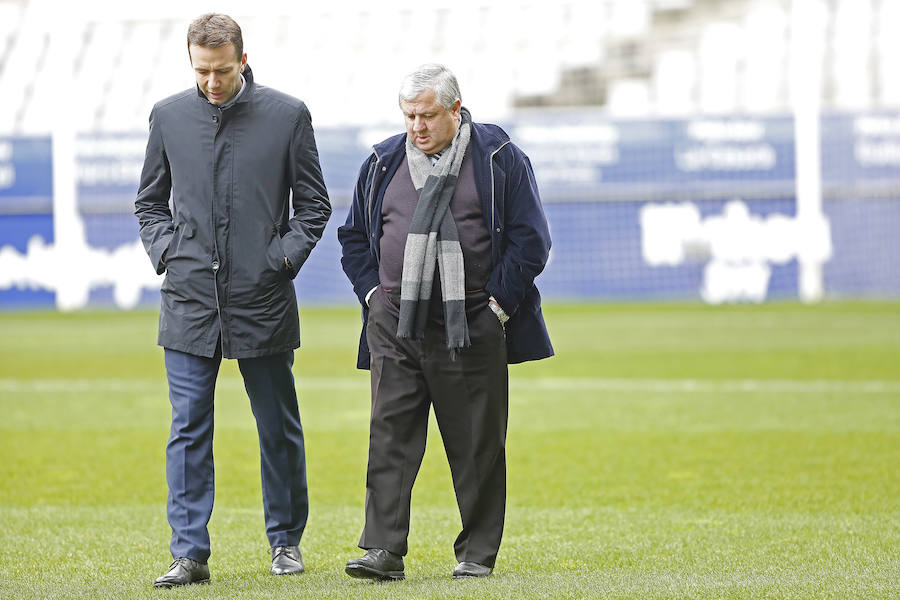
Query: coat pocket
x,y
276,252
183,231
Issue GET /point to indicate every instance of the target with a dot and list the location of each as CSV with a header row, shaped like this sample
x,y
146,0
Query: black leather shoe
x,y
470,569
286,560
183,571
376,564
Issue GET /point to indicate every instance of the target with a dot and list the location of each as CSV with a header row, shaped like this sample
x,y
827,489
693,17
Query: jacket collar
x,y
486,139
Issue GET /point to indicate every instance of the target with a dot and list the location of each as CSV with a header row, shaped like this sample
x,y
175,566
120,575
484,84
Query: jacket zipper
x,y
493,207
370,201
215,262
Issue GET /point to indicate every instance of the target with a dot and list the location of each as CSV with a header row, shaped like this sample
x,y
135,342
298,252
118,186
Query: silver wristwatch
x,y
501,314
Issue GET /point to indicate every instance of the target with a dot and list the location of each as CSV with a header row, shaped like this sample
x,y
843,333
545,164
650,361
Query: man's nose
x,y
418,124
212,82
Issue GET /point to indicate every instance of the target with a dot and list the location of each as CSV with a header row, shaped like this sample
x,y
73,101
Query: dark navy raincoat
x,y
246,191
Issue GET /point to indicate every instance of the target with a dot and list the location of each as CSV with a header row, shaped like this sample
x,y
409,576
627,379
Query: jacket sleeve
x,y
152,204
311,207
357,259
525,242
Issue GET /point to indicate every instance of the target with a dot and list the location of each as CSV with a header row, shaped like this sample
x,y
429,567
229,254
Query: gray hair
x,y
431,76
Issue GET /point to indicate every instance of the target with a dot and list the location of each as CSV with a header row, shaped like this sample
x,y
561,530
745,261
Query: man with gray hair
x,y
238,162
442,244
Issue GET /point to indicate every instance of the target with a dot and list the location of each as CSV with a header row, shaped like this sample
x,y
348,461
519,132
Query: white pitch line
x,y
599,384
154,385
707,385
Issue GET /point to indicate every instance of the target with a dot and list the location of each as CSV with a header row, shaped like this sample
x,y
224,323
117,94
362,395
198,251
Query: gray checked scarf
x,y
433,238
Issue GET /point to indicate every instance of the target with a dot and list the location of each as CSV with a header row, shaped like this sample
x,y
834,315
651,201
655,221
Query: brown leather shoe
x,y
376,564
470,569
286,560
183,571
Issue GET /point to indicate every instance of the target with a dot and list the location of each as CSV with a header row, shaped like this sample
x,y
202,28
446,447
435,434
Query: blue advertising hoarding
x,y
26,206
695,209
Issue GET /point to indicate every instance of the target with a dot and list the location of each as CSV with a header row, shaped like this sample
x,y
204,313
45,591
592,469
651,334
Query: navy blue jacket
x,y
511,206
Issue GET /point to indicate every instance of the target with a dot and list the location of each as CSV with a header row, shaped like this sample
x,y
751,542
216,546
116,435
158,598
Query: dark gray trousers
x,y
470,396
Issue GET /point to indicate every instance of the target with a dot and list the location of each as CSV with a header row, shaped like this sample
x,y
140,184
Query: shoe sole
x,y
174,585
467,576
360,572
283,573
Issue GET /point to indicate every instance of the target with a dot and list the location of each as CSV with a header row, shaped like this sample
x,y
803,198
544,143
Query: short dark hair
x,y
214,30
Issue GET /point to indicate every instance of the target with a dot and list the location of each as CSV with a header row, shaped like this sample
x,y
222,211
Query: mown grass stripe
x,y
550,383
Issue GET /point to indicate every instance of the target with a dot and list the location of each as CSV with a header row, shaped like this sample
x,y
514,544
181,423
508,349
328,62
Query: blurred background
x,y
716,151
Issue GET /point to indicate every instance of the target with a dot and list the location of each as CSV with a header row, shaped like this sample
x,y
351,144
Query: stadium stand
x,y
633,58
637,114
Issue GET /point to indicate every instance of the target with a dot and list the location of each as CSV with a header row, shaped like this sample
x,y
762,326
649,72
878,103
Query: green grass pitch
x,y
667,451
